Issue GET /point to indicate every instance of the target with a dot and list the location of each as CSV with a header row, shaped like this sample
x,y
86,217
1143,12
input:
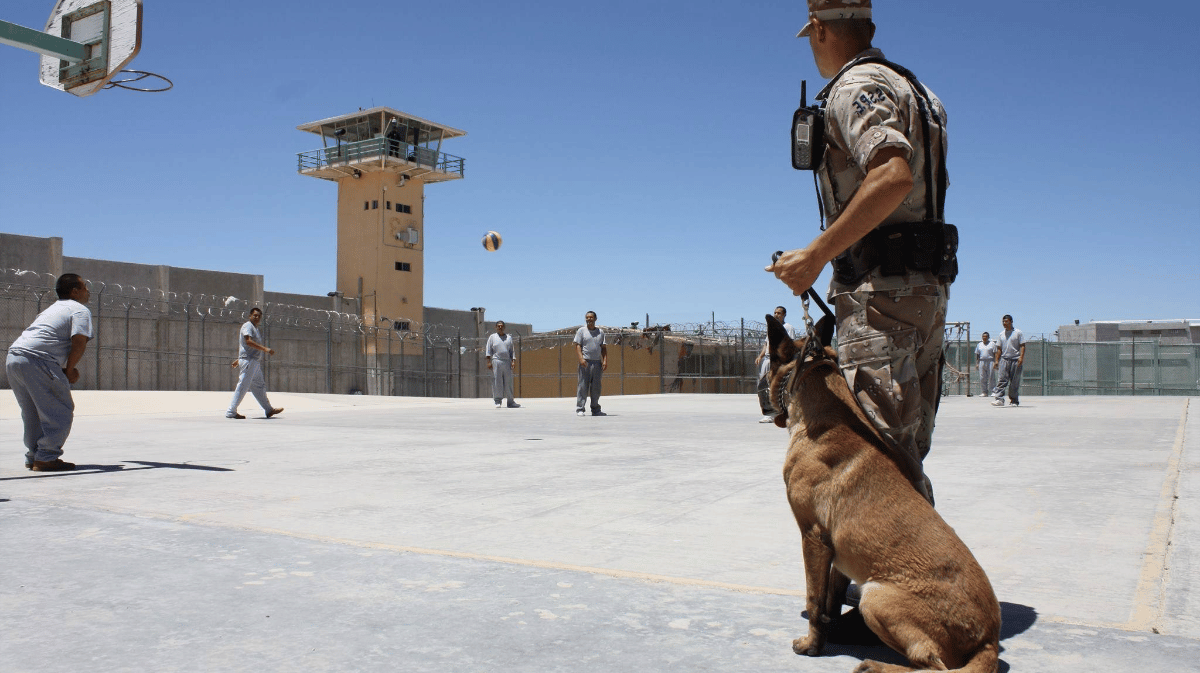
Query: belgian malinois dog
x,y
861,518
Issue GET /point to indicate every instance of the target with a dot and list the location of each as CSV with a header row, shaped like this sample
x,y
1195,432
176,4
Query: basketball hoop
x,y
141,75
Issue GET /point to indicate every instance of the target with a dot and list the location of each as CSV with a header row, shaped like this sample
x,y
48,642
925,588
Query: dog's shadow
x,y
862,644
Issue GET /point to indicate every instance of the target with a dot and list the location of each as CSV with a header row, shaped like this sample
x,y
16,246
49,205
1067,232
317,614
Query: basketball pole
x,y
41,43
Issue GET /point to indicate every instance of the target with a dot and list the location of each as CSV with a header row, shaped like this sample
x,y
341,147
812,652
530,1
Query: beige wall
x,y
368,249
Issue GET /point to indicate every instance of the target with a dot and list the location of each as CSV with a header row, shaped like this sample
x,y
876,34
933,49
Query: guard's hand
x,y
72,375
489,364
797,270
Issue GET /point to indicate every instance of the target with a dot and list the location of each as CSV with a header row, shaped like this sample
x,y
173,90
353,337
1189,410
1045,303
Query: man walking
x,y
763,362
882,183
501,359
41,366
1010,357
250,373
593,361
985,358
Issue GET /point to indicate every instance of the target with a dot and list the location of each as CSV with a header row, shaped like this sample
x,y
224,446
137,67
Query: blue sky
x,y
632,154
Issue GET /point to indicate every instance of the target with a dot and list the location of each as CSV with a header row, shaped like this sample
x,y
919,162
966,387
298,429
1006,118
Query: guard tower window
x,y
389,205
400,325
366,205
401,208
374,205
403,266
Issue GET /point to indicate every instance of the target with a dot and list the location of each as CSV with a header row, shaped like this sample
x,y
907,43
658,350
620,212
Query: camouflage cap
x,y
831,10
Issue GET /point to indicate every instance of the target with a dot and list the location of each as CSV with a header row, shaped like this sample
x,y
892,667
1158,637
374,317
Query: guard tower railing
x,y
385,152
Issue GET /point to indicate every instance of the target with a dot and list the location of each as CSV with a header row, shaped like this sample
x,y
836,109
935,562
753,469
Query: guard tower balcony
x,y
381,139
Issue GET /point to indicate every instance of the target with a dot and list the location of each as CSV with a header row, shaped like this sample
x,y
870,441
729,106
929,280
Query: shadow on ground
x,y
100,469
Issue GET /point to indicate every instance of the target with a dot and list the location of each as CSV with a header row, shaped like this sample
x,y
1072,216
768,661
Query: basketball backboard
x,y
111,32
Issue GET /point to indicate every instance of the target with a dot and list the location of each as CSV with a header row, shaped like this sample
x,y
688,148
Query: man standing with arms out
x,y
1010,358
764,369
41,366
250,374
501,358
593,361
882,183
985,357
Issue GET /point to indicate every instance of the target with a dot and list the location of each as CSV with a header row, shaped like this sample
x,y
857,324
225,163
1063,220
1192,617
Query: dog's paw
x,y
807,646
869,666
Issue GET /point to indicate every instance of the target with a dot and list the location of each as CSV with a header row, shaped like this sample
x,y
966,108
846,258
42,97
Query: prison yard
x,y
382,533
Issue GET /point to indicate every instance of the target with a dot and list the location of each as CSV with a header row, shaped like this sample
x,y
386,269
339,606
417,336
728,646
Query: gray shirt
x,y
986,352
1010,344
49,337
500,348
591,341
246,352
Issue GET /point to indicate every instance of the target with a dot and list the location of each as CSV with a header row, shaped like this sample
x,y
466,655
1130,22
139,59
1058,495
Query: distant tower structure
x,y
381,160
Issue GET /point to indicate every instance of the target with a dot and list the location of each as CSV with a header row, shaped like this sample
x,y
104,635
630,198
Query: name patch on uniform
x,y
867,100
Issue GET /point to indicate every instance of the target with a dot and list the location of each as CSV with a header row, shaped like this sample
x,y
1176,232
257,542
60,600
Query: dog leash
x,y
804,297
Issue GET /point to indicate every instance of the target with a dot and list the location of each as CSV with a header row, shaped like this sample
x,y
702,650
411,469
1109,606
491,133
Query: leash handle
x,y
805,296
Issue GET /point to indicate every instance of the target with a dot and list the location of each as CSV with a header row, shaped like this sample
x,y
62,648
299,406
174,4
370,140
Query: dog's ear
x,y
782,348
824,331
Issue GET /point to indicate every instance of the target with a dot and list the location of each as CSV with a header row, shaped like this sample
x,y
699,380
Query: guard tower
x,y
381,160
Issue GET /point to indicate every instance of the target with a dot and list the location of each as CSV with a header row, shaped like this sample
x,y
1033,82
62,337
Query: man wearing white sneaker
x,y
1010,356
501,357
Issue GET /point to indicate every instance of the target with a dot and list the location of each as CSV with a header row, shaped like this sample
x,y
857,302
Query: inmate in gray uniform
x,y
34,366
1011,366
890,328
986,353
250,373
502,354
591,344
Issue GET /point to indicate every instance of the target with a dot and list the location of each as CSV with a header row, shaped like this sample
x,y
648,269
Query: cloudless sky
x,y
633,154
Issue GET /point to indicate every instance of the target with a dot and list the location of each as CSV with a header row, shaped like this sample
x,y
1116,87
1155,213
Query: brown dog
x,y
923,593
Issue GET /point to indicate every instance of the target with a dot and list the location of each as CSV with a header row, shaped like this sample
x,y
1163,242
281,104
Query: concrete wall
x,y
43,255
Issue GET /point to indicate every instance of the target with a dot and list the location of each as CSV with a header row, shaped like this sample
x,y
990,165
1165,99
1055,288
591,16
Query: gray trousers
x,y
47,409
250,380
502,381
987,377
589,384
1010,380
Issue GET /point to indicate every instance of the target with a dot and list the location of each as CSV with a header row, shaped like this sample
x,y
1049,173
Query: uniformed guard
x,y
882,181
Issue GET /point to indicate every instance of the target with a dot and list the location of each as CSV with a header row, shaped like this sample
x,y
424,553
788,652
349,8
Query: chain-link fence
x,y
153,340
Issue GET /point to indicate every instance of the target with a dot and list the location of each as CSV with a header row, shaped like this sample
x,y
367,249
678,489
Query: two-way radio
x,y
808,133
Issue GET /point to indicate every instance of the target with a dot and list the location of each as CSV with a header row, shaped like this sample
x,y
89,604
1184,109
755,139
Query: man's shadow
x,y
861,643
121,467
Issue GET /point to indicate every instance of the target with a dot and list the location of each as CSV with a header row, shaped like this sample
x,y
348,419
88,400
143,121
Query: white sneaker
x,y
767,419
497,405
580,413
998,403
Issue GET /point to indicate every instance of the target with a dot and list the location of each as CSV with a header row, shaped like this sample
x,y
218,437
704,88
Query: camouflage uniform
x,y
890,328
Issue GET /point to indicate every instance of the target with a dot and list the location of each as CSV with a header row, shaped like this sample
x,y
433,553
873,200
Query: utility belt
x,y
898,248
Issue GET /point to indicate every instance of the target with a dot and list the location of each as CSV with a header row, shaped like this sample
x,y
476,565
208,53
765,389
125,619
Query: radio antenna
x,y
803,93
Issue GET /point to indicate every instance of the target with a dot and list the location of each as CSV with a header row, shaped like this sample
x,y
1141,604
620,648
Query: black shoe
x,y
599,413
56,465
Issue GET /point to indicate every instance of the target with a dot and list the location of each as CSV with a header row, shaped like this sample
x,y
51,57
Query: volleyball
x,y
492,241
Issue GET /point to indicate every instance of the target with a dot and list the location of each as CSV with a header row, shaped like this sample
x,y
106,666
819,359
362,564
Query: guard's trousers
x,y
891,351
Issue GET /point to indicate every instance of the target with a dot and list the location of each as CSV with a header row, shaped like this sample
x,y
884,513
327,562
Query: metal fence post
x,y
96,333
458,343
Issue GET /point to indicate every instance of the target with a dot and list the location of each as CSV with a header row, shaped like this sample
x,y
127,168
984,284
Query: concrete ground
x,y
406,534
